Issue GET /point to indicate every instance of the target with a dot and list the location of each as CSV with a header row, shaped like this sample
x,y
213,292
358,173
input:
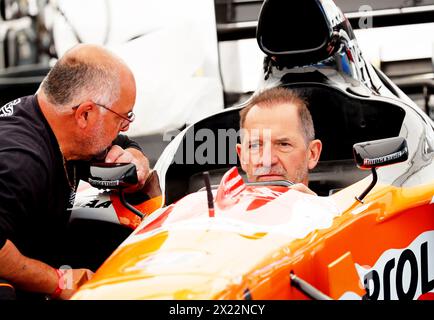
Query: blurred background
x,y
192,58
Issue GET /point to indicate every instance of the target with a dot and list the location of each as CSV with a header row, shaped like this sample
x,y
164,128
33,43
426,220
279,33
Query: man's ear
x,y
314,151
82,114
240,155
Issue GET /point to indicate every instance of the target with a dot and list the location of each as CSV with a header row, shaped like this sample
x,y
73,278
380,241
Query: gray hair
x,y
72,81
272,96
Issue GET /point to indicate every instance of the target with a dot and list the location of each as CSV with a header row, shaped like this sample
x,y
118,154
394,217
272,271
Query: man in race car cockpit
x,y
278,139
46,142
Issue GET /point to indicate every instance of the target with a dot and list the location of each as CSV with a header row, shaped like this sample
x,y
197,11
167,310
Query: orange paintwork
x,y
208,263
129,219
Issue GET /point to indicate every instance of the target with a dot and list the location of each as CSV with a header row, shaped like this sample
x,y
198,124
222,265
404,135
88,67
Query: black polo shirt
x,y
35,194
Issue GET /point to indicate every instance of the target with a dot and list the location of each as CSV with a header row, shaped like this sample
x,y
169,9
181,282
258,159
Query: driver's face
x,y
273,146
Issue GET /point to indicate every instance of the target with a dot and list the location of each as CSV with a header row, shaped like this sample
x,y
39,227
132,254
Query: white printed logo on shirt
x,y
8,109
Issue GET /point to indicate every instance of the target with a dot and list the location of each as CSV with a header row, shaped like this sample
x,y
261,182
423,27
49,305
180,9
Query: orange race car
x,y
205,233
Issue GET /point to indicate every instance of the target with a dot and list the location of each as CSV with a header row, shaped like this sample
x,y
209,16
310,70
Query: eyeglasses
x,y
127,119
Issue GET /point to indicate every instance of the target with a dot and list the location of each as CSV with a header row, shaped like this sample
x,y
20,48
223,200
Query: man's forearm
x,y
25,273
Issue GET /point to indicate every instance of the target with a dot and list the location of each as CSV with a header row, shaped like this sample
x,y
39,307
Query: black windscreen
x,y
292,26
341,121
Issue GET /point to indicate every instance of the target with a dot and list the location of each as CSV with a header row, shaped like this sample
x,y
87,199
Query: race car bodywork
x,y
269,242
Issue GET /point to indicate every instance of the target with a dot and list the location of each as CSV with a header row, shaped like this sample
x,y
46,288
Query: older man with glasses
x,y
46,143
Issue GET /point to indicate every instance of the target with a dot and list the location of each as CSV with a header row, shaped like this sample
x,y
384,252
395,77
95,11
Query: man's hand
x,y
117,155
302,188
35,276
71,280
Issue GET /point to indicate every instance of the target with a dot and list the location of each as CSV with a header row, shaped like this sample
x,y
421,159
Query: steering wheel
x,y
283,183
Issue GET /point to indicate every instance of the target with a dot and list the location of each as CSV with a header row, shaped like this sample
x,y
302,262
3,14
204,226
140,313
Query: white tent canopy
x,y
173,55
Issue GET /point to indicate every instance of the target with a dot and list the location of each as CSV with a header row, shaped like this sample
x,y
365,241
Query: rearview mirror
x,y
378,153
112,175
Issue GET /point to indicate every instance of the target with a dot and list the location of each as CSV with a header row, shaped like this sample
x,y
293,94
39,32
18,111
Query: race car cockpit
x,y
350,101
340,121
